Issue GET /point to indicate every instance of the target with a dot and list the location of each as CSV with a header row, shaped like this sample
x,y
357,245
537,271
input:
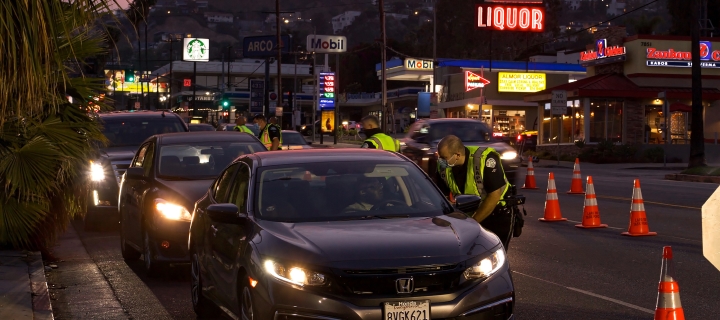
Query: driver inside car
x,y
369,193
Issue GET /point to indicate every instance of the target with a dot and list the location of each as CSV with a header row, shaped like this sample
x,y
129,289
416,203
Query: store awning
x,y
677,106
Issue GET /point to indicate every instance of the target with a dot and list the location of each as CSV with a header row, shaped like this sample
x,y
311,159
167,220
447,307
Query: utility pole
x,y
279,55
697,136
384,116
294,97
434,44
194,85
147,100
315,98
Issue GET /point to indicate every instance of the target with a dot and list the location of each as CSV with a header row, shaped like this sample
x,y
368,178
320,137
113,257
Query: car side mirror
x,y
467,203
226,213
135,173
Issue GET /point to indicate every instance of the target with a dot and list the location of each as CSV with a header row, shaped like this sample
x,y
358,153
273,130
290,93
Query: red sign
x,y
510,18
187,82
608,52
474,81
671,54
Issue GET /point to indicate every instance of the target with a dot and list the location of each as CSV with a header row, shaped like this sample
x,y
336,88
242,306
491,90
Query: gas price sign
x,y
326,83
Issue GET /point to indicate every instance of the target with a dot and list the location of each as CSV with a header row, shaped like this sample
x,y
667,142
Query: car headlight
x,y
509,155
97,172
294,275
303,127
172,211
486,267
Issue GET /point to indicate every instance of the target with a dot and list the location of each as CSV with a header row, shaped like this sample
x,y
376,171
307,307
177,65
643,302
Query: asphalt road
x,y
560,272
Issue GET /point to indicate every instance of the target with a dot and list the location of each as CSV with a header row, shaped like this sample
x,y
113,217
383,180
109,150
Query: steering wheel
x,y
385,204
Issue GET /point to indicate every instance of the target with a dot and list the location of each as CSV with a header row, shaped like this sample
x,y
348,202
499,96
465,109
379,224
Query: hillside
x,y
307,7
189,25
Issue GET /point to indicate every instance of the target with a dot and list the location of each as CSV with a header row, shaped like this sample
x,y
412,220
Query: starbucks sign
x,y
196,49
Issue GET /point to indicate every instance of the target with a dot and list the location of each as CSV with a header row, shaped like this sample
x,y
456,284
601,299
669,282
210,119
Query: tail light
x,y
519,137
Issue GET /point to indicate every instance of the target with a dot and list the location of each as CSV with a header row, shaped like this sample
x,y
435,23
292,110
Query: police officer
x,y
477,171
240,125
270,134
375,138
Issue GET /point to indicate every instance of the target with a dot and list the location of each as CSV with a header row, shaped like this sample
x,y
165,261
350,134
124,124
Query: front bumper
x,y
490,299
174,235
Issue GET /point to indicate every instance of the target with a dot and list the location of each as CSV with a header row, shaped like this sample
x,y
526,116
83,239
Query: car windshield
x,y
201,127
346,190
201,160
132,132
467,131
293,138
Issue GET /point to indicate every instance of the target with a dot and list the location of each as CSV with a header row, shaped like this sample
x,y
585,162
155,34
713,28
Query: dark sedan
x,y
165,178
341,234
293,140
201,127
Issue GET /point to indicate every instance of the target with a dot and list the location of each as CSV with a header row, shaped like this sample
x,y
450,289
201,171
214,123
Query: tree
x,y
645,25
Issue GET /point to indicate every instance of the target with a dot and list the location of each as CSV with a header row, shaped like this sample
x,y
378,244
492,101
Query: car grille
x,y
119,168
428,280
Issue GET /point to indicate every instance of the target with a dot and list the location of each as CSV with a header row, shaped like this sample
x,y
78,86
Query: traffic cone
x,y
576,186
591,213
552,204
668,305
451,198
638,219
530,176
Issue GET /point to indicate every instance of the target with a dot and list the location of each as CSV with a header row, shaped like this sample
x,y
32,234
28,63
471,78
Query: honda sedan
x,y
341,234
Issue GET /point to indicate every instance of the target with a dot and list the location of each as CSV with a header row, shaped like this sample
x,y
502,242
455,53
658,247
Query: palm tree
x,y
46,141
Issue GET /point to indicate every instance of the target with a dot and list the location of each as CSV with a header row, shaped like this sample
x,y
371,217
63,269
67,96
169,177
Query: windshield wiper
x,y
387,216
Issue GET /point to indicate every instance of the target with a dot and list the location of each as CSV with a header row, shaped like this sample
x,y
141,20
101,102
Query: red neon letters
x,y
671,54
511,18
609,52
474,81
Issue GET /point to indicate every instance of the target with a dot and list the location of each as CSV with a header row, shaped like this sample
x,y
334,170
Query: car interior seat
x,y
170,166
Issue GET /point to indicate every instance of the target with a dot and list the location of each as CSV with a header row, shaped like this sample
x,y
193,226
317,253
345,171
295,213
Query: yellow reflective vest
x,y
265,136
475,171
385,142
243,128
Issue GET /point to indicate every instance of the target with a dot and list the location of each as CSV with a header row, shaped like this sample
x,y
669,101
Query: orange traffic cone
x,y
638,220
668,305
576,186
530,176
591,213
552,204
451,198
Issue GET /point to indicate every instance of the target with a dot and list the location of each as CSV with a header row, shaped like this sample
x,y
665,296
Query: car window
x,y
201,160
345,190
140,157
132,132
147,163
239,190
222,184
419,131
293,138
467,131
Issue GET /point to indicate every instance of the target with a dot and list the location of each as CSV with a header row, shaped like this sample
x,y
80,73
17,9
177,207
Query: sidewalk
x,y
23,288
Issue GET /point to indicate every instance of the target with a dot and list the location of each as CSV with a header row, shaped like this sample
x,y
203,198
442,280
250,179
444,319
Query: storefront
x,y
638,91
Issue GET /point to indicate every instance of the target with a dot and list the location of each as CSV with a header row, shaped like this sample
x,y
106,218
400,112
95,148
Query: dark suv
x,y
423,136
125,132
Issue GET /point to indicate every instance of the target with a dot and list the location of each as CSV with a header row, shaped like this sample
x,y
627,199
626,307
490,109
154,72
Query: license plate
x,y
407,310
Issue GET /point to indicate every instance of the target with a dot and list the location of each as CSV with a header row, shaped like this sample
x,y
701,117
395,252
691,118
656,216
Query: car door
x,y
132,200
229,238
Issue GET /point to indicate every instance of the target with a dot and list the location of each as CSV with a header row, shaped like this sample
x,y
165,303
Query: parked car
x,y
125,132
293,140
420,144
281,236
200,127
157,193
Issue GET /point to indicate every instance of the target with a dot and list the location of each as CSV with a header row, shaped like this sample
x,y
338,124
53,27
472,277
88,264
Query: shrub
x,y
654,154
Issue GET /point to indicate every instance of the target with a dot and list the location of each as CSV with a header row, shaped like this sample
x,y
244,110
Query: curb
x,y
42,308
692,178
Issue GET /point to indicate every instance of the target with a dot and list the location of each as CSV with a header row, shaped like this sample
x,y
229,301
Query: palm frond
x,y
31,167
18,219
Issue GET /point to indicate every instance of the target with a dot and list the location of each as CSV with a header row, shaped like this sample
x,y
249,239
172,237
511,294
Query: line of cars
x,y
303,234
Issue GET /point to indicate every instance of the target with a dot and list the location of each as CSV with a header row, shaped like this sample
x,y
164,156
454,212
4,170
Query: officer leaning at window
x,y
240,125
375,138
456,174
270,134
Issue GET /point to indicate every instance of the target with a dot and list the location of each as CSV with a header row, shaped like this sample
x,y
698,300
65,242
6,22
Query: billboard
x,y
265,46
521,82
510,18
326,44
115,81
196,49
327,121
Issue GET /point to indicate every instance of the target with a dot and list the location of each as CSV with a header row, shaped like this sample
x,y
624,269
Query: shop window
x,y
606,120
509,122
567,128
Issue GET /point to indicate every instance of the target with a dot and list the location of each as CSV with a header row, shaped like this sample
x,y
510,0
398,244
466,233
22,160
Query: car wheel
x,y
201,305
152,266
128,253
246,303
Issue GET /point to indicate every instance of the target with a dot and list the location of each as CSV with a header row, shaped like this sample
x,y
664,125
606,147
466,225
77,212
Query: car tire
x,y
247,309
203,307
153,268
128,253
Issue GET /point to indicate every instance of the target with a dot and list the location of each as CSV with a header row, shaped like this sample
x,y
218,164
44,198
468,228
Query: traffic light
x,y
225,103
129,75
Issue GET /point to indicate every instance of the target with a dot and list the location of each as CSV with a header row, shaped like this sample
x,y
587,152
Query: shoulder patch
x,y
490,163
365,145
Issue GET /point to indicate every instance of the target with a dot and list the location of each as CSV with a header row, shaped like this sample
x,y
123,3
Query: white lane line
x,y
660,235
623,303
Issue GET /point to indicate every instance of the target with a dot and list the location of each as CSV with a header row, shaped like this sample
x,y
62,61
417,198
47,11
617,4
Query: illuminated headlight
x,y
172,211
486,267
509,155
294,275
303,127
97,172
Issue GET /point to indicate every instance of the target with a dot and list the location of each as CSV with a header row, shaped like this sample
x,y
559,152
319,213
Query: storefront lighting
x,y
577,114
592,114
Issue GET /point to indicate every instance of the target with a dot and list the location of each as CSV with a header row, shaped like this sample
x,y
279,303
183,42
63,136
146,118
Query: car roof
x,y
445,120
201,136
199,124
137,114
290,131
275,158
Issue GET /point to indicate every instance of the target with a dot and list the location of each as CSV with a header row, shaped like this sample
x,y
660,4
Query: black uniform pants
x,y
500,222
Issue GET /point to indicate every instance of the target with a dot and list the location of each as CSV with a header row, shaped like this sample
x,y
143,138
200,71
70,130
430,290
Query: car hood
x,y
120,153
378,242
184,192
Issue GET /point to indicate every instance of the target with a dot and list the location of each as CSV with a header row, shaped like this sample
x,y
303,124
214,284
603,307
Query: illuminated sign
x,y
516,1
682,59
521,82
414,64
326,44
474,81
187,82
196,49
602,54
510,18
326,83
115,81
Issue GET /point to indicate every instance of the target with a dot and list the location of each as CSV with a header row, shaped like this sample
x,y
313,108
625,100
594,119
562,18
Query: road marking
x,y
660,235
608,226
651,202
623,303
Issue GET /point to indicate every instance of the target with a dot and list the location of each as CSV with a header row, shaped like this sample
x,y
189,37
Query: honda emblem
x,y
405,285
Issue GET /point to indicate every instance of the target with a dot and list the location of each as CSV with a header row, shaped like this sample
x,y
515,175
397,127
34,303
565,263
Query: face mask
x,y
444,164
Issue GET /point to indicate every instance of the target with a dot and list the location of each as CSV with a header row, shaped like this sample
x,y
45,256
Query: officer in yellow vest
x,y
240,125
477,171
376,139
270,134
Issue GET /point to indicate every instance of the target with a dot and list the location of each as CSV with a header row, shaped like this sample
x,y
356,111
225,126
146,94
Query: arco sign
x,y
474,81
510,17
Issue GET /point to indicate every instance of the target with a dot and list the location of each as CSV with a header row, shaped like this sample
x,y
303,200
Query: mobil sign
x,y
326,44
415,64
